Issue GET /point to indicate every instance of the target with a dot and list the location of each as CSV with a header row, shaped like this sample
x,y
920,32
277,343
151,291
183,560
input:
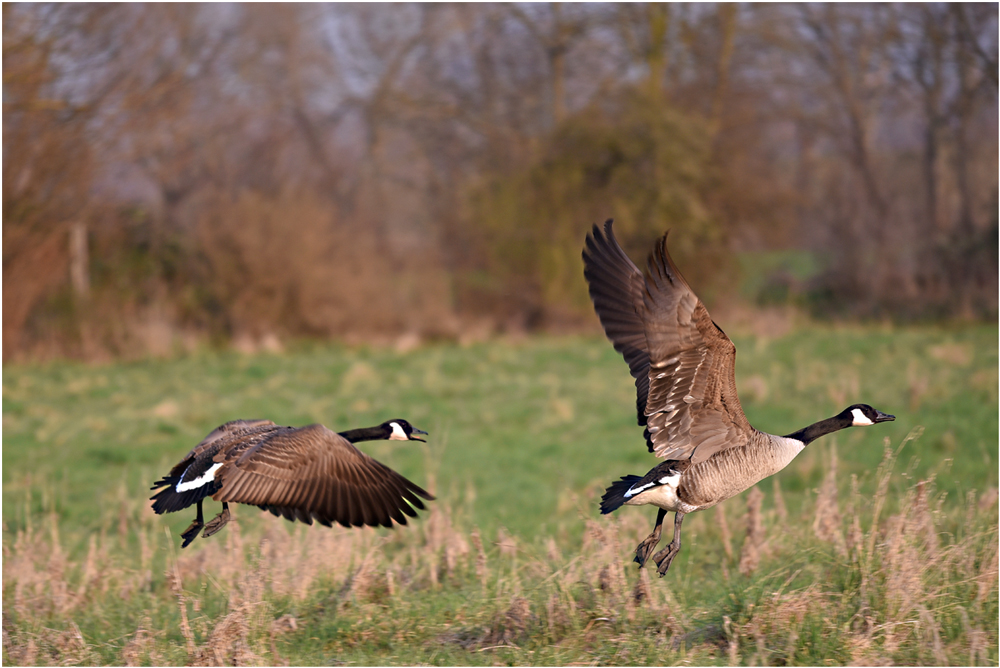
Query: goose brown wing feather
x,y
285,470
232,429
415,503
616,288
390,489
692,408
380,505
342,509
220,437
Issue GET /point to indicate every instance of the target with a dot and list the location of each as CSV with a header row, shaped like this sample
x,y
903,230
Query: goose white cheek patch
x,y
860,420
397,433
206,477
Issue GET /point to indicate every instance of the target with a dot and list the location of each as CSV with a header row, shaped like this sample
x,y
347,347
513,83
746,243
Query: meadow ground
x,y
874,546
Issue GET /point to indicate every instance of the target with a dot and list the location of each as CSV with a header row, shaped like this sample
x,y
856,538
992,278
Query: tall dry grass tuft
x,y
511,626
174,578
141,647
978,654
922,519
826,523
442,537
241,637
506,543
482,572
732,640
750,555
780,615
779,500
901,559
855,536
724,534
604,548
986,577
932,636
642,592
360,584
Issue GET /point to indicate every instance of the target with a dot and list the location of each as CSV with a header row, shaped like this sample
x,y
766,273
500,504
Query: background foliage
x,y
254,173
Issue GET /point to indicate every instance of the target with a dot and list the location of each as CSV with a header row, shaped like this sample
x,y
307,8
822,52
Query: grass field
x,y
855,553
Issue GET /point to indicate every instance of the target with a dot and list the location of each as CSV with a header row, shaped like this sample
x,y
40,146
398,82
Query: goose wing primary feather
x,y
314,473
616,288
692,409
684,365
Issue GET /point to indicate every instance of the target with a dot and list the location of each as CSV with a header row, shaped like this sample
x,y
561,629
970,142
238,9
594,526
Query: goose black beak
x,y
883,417
421,431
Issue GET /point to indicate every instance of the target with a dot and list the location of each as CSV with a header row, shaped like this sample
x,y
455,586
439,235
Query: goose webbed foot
x,y
192,532
646,547
665,557
216,523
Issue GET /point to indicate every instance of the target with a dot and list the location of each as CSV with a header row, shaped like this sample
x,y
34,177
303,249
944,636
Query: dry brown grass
x,y
754,542
914,581
827,520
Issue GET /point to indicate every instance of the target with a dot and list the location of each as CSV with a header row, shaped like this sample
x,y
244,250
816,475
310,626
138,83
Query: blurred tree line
x,y
177,171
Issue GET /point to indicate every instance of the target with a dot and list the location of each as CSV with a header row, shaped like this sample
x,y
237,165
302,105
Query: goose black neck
x,y
365,434
822,428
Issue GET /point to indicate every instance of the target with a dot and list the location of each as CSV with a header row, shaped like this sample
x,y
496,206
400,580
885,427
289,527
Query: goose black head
x,y
401,430
863,415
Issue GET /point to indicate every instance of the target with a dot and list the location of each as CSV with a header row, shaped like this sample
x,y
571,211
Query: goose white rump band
x,y
662,494
633,490
669,480
206,477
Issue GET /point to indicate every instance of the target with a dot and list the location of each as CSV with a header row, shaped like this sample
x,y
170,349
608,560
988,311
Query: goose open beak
x,y
883,417
418,431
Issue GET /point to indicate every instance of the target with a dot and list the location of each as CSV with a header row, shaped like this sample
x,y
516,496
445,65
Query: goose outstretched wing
x,y
683,363
692,409
312,473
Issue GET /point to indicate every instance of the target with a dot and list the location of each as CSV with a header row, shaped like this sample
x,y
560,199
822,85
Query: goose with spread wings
x,y
299,473
684,368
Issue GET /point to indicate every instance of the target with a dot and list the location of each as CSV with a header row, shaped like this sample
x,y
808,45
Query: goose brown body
x,y
684,368
300,473
733,470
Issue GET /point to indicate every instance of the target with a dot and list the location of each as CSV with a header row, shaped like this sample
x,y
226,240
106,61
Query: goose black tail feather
x,y
614,496
169,500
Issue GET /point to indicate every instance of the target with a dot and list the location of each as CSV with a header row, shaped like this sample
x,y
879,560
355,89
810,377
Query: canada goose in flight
x,y
302,473
684,368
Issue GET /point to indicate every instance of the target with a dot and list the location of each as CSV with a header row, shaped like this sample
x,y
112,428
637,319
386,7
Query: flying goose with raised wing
x,y
684,367
299,473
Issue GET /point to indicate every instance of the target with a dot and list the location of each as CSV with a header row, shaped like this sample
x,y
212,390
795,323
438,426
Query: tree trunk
x,y
79,261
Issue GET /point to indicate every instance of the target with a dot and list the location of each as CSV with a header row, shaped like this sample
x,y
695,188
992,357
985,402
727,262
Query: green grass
x,y
524,437
522,424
